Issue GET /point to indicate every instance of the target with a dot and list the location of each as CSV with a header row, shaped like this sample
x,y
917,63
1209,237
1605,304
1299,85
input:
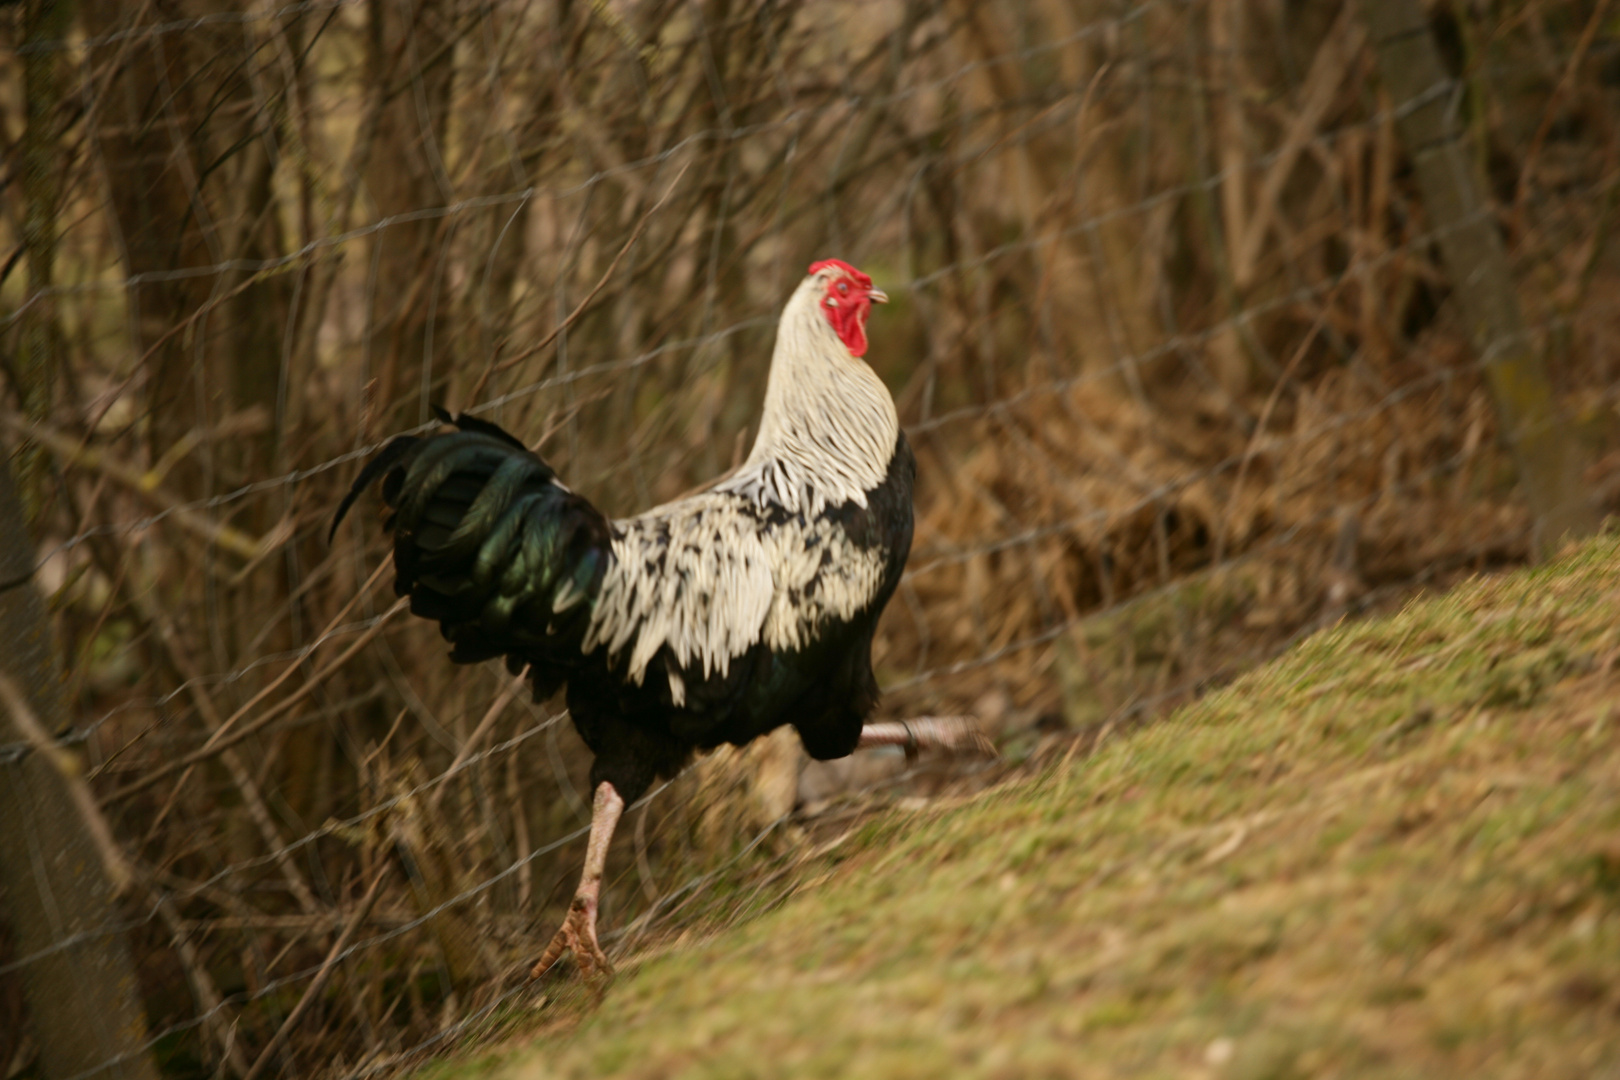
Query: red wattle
x,y
849,322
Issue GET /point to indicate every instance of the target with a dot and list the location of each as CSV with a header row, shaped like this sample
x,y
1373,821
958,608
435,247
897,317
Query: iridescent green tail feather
x,y
489,544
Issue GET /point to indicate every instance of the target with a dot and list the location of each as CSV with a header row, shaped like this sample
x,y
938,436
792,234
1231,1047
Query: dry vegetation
x,y
1171,337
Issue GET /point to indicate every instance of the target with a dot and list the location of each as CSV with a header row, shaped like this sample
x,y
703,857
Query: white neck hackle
x,y
708,577
828,428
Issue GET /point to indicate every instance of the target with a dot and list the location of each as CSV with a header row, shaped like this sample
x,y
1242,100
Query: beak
x,y
877,296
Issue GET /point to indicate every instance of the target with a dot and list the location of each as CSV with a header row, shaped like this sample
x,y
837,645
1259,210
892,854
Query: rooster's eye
x,y
843,288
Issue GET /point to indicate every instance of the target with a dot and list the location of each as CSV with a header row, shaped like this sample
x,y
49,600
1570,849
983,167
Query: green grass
x,y
1393,852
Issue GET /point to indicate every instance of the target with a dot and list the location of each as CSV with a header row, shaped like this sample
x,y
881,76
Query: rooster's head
x,y
847,297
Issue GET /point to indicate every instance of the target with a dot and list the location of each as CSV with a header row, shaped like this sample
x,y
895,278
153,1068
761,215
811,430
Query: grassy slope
x,y
1396,851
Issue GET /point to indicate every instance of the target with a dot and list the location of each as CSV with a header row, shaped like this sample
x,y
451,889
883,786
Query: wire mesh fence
x,y
1172,335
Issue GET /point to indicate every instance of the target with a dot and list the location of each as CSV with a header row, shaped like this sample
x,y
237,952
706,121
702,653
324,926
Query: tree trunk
x,y
188,170
407,328
1532,423
189,132
83,1006
39,164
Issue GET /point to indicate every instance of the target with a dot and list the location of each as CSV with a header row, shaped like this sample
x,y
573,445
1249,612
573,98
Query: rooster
x,y
712,619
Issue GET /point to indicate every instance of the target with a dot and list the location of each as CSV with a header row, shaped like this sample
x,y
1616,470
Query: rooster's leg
x,y
578,931
953,734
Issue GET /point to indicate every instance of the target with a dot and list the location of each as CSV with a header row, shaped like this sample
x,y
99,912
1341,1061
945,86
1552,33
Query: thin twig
x,y
146,485
218,741
502,700
327,967
1265,418
252,798
579,309
202,983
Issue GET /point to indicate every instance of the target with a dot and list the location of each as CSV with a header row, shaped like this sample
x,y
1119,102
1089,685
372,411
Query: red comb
x,y
860,279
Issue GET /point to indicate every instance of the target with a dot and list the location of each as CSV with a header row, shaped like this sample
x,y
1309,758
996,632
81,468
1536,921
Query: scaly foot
x,y
577,935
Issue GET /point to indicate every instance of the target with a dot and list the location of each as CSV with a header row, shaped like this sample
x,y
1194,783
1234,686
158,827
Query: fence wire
x,y
1171,334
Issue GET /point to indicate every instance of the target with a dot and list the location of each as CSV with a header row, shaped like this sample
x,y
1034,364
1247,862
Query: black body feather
x,y
511,564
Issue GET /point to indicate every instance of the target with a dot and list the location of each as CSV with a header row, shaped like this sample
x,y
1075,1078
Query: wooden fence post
x,y
1422,95
83,1006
